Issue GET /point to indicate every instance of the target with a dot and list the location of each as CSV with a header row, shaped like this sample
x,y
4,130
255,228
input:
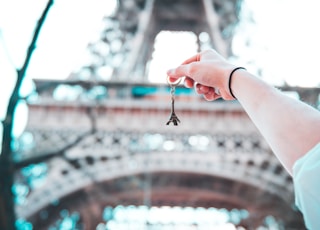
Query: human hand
x,y
207,72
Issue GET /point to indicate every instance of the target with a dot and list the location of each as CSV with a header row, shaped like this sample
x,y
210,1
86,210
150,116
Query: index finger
x,y
183,69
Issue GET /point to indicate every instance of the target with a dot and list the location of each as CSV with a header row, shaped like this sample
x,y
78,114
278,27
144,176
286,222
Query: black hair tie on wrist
x,y
230,79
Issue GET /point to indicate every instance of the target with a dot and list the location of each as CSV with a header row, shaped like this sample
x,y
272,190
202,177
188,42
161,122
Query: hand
x,y
207,72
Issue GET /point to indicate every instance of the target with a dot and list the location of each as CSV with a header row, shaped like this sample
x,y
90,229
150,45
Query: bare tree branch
x,y
7,214
47,156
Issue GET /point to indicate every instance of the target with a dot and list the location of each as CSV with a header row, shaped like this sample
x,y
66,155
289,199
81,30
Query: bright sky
x,y
284,41
179,51
69,27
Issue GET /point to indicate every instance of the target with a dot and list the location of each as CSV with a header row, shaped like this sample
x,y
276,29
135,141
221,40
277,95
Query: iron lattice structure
x,y
119,151
109,145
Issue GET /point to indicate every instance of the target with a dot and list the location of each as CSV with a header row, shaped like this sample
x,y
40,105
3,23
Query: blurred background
x,y
84,104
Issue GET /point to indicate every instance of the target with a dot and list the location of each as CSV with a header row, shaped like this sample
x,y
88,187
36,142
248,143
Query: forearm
x,y
290,127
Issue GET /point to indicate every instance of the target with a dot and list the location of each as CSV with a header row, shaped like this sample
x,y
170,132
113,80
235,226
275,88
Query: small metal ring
x,y
175,83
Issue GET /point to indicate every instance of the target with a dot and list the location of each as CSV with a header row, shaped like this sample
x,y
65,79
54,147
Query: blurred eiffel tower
x,y
120,156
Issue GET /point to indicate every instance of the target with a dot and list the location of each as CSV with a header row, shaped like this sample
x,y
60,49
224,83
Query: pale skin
x,y
290,127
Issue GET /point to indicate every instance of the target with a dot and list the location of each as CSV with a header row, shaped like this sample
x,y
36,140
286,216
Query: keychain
x,y
173,117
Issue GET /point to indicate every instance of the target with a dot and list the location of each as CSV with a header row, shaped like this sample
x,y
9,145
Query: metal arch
x,y
65,179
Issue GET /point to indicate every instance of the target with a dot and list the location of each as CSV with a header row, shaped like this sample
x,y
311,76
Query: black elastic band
x,y
230,79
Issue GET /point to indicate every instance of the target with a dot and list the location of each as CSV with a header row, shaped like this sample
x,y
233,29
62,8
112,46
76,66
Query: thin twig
x,y
8,217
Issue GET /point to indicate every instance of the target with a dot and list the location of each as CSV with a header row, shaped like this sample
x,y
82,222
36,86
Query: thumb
x,y
176,73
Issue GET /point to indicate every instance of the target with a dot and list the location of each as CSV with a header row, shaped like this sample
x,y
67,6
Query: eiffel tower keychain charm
x,y
173,117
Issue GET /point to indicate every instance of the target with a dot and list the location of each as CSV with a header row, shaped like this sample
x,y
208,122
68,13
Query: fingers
x,y
172,81
209,93
211,96
192,70
178,72
183,69
189,82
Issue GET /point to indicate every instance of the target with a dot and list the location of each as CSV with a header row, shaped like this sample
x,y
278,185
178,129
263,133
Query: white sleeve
x,y
306,179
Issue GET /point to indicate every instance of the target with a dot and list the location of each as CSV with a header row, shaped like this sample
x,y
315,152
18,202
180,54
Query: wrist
x,y
231,75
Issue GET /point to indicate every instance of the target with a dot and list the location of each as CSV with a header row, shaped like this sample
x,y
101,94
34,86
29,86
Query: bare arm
x,y
291,127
